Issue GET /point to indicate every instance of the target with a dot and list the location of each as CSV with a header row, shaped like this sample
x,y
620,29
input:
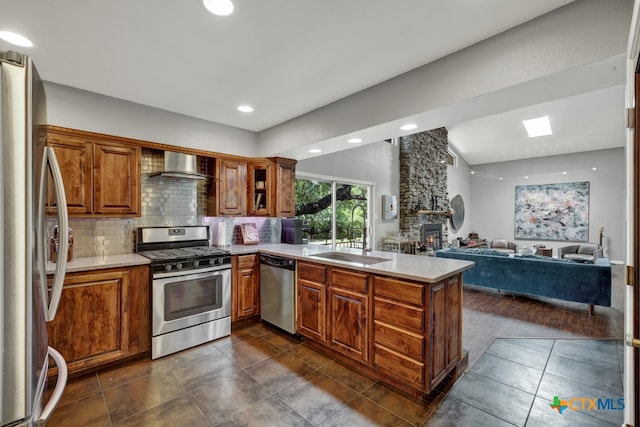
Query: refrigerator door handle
x,y
63,221
60,385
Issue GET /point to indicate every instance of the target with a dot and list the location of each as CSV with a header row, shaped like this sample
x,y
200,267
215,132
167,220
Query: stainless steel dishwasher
x,y
278,291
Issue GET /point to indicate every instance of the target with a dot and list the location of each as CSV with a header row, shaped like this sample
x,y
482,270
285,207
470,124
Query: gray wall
x,y
459,183
492,202
79,109
377,163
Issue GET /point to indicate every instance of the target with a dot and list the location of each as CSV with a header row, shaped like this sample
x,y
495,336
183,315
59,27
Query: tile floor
x,y
259,377
515,380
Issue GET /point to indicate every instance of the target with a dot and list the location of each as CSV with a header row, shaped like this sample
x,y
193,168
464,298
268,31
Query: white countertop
x,y
412,267
100,262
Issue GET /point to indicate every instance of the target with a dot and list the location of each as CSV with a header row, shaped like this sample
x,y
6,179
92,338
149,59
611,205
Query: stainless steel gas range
x,y
191,287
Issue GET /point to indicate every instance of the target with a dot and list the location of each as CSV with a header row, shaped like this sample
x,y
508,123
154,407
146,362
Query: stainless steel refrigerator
x,y
26,301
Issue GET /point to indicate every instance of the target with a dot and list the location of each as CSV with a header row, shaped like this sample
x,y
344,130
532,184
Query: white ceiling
x,y
585,122
283,57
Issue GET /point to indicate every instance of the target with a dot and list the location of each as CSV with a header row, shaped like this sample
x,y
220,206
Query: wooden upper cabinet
x,y
284,187
116,179
260,197
75,160
100,178
256,187
227,193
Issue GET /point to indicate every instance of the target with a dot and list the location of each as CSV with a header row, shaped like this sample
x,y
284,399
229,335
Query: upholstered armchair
x,y
585,252
503,245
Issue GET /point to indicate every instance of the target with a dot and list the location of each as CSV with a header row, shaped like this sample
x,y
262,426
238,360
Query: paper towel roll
x,y
222,234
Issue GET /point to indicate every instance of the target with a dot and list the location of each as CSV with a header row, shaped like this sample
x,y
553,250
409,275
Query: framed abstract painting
x,y
552,212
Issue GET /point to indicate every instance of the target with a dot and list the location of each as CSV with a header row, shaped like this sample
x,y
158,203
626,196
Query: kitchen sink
x,y
360,259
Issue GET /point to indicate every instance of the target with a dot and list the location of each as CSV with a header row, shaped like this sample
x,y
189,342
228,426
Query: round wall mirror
x,y
457,219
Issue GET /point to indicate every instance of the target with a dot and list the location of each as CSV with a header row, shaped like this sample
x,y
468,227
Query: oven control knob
x,y
212,261
196,263
220,260
167,267
179,265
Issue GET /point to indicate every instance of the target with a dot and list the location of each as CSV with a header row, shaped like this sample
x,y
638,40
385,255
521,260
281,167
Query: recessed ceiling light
x,y
315,150
564,172
354,140
473,172
538,127
594,168
526,177
245,108
15,38
409,126
501,178
219,7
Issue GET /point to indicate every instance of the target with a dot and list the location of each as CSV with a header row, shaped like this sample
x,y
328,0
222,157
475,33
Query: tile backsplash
x,y
164,202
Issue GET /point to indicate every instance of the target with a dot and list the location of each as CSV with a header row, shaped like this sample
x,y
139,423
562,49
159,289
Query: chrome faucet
x,y
364,226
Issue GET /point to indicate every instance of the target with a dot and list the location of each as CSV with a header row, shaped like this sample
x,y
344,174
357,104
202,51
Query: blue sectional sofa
x,y
537,275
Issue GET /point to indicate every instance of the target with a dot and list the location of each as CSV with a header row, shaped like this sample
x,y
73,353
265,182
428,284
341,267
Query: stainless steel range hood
x,y
179,165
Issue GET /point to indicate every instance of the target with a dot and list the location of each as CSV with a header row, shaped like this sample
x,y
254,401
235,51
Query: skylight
x,y
538,127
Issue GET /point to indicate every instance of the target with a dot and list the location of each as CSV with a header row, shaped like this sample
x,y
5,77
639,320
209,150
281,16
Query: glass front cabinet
x,y
261,198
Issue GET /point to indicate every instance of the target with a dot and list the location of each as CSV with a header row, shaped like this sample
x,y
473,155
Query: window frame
x,y
334,185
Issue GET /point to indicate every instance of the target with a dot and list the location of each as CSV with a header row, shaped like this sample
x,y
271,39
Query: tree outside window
x,y
314,205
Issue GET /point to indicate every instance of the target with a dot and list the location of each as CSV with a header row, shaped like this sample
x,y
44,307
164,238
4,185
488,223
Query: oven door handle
x,y
181,273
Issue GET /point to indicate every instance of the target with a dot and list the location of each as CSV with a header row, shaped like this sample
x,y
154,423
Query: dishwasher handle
x,y
277,261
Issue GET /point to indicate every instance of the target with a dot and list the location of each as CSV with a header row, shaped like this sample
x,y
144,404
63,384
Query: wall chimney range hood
x,y
179,165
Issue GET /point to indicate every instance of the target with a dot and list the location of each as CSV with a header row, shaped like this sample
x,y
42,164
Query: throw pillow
x,y
482,251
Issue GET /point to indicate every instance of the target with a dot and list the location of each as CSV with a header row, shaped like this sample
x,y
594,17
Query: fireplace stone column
x,y
423,181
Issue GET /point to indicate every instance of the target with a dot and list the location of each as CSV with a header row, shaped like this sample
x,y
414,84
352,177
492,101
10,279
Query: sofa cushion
x,y
579,257
587,249
547,258
504,251
479,251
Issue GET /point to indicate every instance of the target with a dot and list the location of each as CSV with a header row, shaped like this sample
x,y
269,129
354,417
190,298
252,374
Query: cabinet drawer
x,y
246,261
396,313
312,272
400,340
398,365
350,280
398,289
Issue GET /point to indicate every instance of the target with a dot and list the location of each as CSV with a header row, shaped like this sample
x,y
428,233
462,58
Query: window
x,y
345,226
452,159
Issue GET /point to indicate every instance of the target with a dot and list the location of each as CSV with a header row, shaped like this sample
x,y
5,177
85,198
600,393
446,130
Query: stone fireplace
x,y
423,183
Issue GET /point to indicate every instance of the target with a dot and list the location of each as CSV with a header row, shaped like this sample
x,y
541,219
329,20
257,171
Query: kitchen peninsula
x,y
395,317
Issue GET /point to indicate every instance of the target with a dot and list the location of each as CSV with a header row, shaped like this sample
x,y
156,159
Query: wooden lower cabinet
x,y
445,319
400,329
405,333
245,286
349,313
103,317
312,300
